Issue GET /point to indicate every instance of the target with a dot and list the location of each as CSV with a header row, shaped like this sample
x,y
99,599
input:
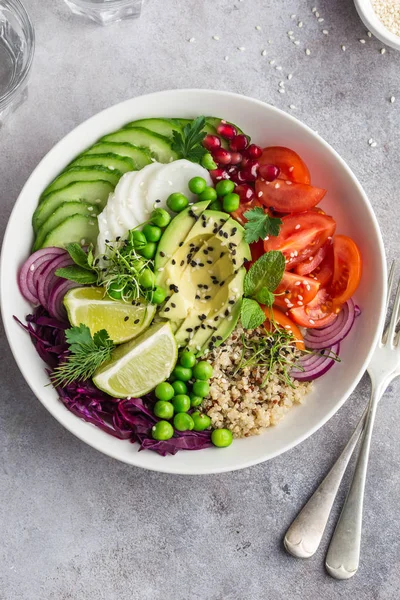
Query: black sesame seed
x,y
173,304
167,298
136,321
221,233
226,313
162,254
231,302
118,238
180,244
205,251
234,230
205,286
167,309
211,248
104,257
182,263
233,252
234,261
158,201
226,235
209,262
210,327
219,337
197,327
173,261
201,264
222,254
207,297
197,297
222,283
189,329
202,317
216,318
193,263
126,318
107,241
204,224
213,338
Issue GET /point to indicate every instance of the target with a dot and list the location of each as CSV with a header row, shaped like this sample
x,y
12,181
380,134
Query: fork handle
x,y
305,533
343,555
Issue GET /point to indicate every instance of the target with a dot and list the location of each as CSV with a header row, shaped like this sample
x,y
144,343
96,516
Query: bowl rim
x,y
169,465
371,20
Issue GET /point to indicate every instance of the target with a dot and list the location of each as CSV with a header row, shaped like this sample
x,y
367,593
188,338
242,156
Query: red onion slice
x,y
333,333
48,279
55,302
314,365
26,277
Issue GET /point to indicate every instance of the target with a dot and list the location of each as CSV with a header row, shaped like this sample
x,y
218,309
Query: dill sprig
x,y
87,354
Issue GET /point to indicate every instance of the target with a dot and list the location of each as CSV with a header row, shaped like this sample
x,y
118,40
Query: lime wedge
x,y
122,320
137,367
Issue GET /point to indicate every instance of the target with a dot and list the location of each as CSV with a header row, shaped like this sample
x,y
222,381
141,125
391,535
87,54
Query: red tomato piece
x,y
287,197
277,317
324,272
301,236
347,268
295,290
292,167
318,313
244,207
309,266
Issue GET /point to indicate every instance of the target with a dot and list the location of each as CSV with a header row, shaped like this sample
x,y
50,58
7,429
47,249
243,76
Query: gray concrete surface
x,y
77,525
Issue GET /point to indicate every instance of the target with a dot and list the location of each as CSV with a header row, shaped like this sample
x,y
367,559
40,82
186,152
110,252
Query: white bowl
x,y
375,25
345,200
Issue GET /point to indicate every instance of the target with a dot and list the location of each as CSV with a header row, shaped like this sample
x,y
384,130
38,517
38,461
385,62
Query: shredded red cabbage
x,y
129,419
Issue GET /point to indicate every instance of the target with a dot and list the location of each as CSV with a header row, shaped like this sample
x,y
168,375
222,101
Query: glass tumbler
x,y
17,46
105,12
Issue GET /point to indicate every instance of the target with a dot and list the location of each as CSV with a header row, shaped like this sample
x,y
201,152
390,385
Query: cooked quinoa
x,y
242,400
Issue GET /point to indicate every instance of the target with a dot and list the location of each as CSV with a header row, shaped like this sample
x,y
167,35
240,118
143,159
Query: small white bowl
x,y
345,200
375,25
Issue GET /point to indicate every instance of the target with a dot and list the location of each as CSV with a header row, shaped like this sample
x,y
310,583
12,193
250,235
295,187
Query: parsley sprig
x,y
87,354
260,225
188,144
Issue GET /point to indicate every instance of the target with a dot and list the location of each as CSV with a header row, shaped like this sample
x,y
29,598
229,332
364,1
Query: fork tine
x,y
390,284
395,316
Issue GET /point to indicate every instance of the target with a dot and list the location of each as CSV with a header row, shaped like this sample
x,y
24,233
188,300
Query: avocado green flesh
x,y
216,338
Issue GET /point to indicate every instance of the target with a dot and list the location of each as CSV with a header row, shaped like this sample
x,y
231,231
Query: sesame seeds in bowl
x,y
382,18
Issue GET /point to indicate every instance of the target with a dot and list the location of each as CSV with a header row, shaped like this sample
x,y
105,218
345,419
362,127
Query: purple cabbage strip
x,y
129,419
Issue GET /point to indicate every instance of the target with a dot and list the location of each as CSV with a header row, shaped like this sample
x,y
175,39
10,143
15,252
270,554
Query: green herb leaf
x,y
188,144
260,225
78,255
87,354
251,314
90,256
78,274
264,296
266,272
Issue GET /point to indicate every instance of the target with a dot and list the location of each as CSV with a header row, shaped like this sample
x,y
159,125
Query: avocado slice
x,y
224,330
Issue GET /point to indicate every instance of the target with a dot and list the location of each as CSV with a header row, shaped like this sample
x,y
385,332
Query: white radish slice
x,y
136,200
104,233
171,178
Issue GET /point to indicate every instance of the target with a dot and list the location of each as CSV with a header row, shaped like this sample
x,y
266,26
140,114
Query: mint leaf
x,y
188,143
78,255
78,274
266,272
264,296
251,314
260,225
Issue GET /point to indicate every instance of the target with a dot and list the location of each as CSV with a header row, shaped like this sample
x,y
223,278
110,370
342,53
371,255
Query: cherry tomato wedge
x,y
318,313
274,315
287,197
347,267
323,273
308,266
301,236
257,250
295,290
292,167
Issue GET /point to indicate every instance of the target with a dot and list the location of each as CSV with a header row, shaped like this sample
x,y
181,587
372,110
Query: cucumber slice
x,y
65,210
140,156
82,174
165,127
123,164
91,192
158,145
77,228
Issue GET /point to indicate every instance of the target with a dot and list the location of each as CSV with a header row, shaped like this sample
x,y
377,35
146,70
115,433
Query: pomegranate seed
x,y
211,142
236,158
218,174
226,131
254,151
239,142
234,175
247,175
222,156
245,191
269,172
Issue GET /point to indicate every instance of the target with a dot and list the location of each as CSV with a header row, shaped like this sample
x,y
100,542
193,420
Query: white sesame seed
x,y
292,16
226,58
296,42
317,14
291,169
312,321
192,39
290,76
264,53
160,269
258,27
241,48
343,48
281,84
281,90
314,9
308,286
288,182
369,34
266,238
325,31
298,226
32,267
373,145
300,24
308,51
216,38
361,41
321,20
269,41
370,141
279,68
383,50
290,32
83,241
277,185
300,297
298,283
291,37
272,62
392,99
310,257
260,194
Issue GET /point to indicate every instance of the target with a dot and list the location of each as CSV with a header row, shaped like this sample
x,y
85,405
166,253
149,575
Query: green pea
x,y
221,438
164,391
147,279
181,403
137,239
216,205
148,251
115,290
208,162
180,387
201,421
187,359
230,202
177,202
195,400
197,185
160,217
203,370
138,264
183,422
208,194
182,373
162,431
164,410
158,296
201,388
152,233
224,187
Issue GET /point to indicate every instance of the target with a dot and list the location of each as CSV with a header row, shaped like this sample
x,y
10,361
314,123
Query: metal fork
x,y
304,535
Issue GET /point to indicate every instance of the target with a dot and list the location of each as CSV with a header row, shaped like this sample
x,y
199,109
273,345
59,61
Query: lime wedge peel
x,y
138,366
